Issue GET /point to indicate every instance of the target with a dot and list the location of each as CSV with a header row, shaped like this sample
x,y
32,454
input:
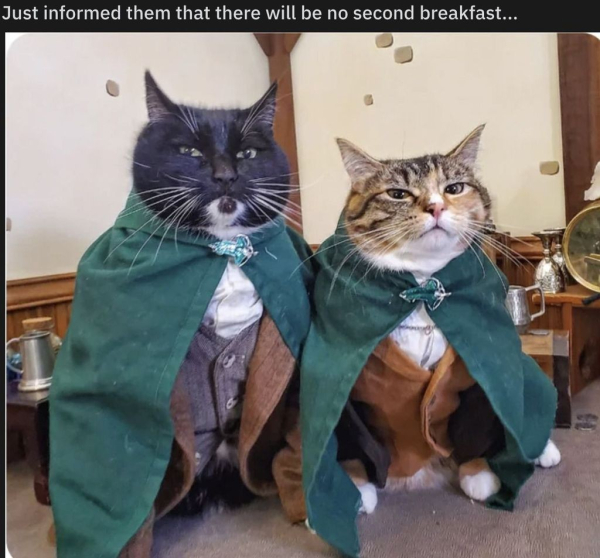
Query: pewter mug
x,y
518,306
38,360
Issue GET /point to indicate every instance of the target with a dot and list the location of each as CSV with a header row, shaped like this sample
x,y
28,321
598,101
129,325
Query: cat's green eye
x,y
399,194
455,189
246,154
190,151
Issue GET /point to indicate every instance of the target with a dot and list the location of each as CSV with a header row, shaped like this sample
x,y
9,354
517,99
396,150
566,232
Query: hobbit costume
x,y
348,351
124,447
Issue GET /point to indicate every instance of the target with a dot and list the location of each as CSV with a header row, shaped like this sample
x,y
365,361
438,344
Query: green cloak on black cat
x,y
351,320
131,326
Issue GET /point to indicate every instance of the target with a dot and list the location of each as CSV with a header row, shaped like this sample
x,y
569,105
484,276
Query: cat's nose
x,y
224,173
435,209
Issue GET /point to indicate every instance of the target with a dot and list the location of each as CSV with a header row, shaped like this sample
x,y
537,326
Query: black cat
x,y
219,171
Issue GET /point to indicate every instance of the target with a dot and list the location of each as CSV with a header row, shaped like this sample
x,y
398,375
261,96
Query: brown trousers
x,y
408,406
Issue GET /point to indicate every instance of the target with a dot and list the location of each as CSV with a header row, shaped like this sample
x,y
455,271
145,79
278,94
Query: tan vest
x,y
409,406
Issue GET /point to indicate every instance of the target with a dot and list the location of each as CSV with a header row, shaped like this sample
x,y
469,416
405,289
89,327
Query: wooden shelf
x,y
574,294
566,311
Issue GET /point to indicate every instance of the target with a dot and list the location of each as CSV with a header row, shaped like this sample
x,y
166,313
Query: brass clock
x,y
581,247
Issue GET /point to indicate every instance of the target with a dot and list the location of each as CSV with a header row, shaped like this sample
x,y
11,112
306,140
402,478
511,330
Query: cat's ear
x,y
359,165
263,111
159,105
466,151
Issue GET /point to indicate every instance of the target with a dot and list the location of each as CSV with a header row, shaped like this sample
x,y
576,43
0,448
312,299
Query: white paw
x,y
480,486
550,456
368,494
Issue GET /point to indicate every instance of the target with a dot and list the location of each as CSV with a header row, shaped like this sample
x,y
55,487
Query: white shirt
x,y
235,304
425,347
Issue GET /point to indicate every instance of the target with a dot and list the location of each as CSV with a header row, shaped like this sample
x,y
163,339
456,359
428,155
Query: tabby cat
x,y
416,215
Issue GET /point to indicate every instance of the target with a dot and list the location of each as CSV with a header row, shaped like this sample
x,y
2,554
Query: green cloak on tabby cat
x,y
140,296
354,311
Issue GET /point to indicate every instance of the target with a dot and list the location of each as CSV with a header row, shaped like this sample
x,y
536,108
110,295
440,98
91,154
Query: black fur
x,y
219,135
218,486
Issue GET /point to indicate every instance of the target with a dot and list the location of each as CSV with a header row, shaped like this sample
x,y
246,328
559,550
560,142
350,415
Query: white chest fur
x,y
235,304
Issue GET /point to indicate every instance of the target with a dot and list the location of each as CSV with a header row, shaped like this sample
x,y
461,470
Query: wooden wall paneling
x,y
278,47
39,296
579,74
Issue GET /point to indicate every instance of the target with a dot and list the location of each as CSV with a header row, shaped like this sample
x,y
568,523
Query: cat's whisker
x,y
503,225
321,250
160,224
164,192
268,193
149,207
135,232
176,179
469,244
507,252
143,245
381,244
515,238
169,223
136,193
277,204
183,211
338,270
251,113
345,240
486,242
299,188
492,263
474,239
278,211
282,190
152,202
373,264
267,178
394,233
190,179
186,118
257,115
256,207
283,207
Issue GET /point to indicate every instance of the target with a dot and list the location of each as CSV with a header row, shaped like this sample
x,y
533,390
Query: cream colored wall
x,y
69,143
454,83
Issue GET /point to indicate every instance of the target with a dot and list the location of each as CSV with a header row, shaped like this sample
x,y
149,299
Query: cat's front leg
x,y
477,480
550,456
368,493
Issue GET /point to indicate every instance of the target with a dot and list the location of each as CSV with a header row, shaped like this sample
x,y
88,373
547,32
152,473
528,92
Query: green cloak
x,y
361,309
139,299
